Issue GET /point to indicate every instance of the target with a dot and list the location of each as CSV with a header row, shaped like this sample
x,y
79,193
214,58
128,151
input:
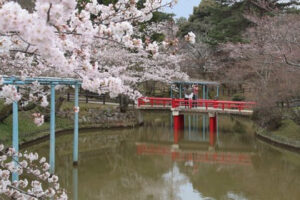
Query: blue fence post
x,y
171,92
75,142
15,137
52,130
217,91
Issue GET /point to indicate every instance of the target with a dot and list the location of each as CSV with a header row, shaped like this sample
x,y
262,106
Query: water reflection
x,y
191,157
75,183
180,186
145,163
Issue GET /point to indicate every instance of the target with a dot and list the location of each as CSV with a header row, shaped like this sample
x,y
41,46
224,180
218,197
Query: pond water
x,y
144,163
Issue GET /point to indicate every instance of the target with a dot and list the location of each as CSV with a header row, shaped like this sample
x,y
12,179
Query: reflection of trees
x,y
126,176
275,175
110,169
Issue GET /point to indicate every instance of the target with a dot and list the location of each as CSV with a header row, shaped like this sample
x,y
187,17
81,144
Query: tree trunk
x,y
124,101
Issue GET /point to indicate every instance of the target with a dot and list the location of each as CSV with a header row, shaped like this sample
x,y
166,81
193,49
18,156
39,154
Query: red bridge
x,y
194,106
179,107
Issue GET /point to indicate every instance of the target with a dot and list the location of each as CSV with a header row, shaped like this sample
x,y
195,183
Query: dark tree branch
x,y
22,191
48,13
24,51
290,63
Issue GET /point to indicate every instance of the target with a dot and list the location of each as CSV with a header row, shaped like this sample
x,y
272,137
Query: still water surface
x,y
144,164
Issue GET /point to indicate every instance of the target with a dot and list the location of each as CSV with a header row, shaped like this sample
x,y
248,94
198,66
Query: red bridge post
x,y
212,128
178,126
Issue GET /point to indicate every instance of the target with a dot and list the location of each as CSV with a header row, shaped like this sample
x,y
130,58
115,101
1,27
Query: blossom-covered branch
x,y
43,184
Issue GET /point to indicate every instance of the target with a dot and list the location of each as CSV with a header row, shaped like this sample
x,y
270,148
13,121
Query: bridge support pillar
x,y
212,128
178,126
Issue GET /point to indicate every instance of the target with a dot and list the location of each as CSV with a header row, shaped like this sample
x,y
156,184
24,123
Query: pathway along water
x,y
143,164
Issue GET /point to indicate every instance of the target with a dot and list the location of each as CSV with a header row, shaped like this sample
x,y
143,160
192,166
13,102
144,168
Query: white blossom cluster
x,y
43,186
135,68
10,94
5,44
38,119
191,37
58,39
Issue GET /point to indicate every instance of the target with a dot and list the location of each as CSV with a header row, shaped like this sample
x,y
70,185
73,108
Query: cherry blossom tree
x,y
58,39
99,44
27,50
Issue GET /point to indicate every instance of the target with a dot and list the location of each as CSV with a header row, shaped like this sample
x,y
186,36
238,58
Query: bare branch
x,y
48,13
24,51
22,191
290,63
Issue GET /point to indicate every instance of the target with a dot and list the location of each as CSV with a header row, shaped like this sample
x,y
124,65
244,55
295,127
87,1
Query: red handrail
x,y
174,103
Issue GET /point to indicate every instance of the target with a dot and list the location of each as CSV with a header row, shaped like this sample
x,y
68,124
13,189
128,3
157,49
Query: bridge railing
x,y
154,101
212,104
190,104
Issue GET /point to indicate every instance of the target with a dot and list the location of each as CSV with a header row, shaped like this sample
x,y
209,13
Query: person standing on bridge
x,y
195,91
188,95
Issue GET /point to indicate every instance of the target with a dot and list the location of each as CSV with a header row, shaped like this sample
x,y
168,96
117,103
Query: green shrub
x,y
238,97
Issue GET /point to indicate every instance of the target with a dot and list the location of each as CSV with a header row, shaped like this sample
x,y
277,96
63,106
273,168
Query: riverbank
x,y
90,116
287,136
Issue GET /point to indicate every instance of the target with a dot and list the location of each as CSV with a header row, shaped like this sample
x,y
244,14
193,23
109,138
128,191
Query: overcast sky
x,y
184,8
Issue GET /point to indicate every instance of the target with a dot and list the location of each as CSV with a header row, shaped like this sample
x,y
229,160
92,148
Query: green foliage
x,y
106,2
238,97
180,21
159,37
217,22
288,129
160,16
221,21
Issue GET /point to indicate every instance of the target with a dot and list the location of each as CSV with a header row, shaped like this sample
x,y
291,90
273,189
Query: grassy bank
x,y
29,131
287,136
289,129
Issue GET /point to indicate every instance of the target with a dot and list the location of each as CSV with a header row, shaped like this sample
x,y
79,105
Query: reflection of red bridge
x,y
232,158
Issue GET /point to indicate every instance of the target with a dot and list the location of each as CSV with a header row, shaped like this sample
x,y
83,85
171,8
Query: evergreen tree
x,y
221,21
